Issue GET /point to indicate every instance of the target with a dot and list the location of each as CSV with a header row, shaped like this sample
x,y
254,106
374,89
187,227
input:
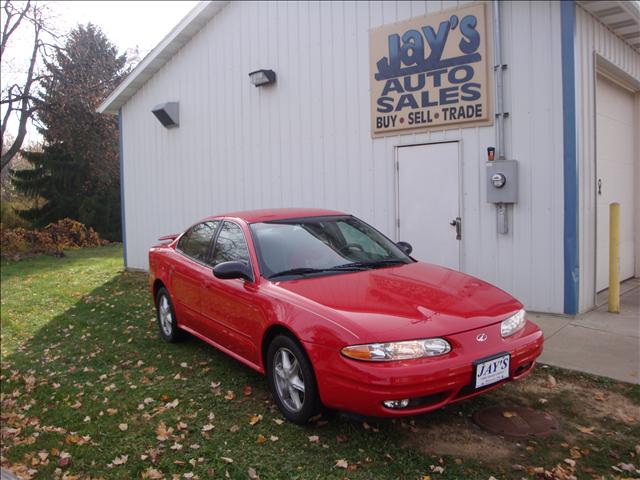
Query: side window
x,y
230,245
196,241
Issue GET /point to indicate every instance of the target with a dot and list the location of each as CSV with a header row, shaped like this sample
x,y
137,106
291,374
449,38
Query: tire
x,y
167,325
296,392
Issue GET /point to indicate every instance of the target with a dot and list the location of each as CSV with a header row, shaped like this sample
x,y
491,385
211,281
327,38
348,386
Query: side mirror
x,y
230,270
405,247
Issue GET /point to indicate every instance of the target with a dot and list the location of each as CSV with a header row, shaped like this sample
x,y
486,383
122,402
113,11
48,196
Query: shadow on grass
x,y
102,355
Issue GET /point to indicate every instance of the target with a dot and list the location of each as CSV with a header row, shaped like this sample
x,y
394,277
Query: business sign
x,y
430,72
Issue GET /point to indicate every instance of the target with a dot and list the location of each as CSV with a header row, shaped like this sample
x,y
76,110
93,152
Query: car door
x,y
229,306
191,273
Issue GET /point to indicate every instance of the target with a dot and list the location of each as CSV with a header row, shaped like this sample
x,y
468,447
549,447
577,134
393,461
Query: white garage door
x,y
615,170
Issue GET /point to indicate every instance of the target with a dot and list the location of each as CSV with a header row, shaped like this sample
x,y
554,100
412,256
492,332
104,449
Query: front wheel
x,y
291,380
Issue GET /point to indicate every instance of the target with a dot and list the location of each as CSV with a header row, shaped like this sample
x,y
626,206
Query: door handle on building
x,y
457,222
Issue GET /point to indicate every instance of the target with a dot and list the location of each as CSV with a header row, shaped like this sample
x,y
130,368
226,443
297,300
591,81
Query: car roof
x,y
270,214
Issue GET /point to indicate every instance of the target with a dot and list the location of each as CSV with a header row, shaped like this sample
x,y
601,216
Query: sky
x,y
127,24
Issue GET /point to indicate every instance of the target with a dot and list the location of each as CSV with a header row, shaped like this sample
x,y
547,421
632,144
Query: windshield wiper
x,y
308,270
374,263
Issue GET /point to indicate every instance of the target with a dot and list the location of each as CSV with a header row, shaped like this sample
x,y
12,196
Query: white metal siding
x,y
592,38
306,141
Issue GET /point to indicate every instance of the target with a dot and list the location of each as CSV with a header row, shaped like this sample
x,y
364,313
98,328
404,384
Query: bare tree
x,y
18,98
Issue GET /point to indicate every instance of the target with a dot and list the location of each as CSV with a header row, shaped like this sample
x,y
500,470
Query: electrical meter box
x,y
502,181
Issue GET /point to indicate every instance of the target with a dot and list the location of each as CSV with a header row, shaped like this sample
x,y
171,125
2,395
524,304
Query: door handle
x,y
599,186
457,222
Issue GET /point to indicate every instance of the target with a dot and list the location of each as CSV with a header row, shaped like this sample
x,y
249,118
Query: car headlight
x,y
387,352
512,324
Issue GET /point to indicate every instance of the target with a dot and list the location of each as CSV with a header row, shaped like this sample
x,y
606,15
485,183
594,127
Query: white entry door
x,y
615,170
428,202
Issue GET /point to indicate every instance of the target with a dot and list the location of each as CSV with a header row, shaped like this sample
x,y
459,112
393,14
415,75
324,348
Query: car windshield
x,y
322,245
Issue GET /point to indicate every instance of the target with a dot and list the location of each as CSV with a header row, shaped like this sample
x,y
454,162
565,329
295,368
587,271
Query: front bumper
x,y
361,387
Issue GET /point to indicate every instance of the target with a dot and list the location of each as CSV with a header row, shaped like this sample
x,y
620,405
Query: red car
x,y
336,314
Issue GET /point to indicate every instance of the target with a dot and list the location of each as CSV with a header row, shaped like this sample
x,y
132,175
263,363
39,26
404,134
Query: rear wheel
x,y
166,317
291,380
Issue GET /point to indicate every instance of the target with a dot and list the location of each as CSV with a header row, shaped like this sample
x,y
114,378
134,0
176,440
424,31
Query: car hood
x,y
403,302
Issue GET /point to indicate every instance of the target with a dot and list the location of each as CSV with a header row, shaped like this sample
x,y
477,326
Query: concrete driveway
x,y
597,342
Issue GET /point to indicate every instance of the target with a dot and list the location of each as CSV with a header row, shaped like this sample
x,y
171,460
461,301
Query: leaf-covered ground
x,y
90,391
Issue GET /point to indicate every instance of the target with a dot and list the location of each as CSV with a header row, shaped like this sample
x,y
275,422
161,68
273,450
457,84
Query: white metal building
x,y
552,85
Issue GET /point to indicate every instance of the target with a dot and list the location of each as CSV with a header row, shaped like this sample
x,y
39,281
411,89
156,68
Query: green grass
x,y
81,355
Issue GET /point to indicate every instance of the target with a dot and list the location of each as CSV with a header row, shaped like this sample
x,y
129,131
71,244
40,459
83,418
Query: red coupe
x,y
336,314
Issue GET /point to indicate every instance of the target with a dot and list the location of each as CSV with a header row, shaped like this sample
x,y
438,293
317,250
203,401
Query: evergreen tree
x,y
77,173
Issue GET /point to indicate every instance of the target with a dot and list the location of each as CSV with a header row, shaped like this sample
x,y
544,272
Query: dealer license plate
x,y
492,370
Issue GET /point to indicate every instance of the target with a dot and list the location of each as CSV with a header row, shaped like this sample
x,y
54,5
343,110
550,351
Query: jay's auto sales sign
x,y
430,72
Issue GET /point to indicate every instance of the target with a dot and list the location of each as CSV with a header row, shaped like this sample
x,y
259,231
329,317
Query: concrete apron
x,y
597,342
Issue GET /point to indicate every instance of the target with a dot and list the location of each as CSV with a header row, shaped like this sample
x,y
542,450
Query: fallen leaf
x,y
598,395
314,438
436,469
253,475
230,395
588,430
571,462
261,439
173,404
342,463
246,390
226,459
278,421
64,462
628,467
121,460
152,474
176,446
341,438
509,414
255,419
123,427
273,438
208,427
162,432
551,381
234,428
543,400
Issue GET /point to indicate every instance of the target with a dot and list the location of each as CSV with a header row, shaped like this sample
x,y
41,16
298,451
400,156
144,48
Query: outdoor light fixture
x,y
262,77
168,114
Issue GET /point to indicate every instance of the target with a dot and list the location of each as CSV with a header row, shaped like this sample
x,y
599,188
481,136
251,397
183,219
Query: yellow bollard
x,y
614,258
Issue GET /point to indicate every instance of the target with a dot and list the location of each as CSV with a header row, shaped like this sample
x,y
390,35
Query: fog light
x,y
396,403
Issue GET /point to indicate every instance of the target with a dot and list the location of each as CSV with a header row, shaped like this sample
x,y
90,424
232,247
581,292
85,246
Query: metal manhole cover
x,y
516,421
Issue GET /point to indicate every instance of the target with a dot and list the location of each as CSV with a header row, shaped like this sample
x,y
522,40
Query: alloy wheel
x,y
165,315
288,379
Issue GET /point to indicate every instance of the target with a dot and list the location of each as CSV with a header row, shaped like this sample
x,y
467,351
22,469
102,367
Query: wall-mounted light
x,y
168,114
262,77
